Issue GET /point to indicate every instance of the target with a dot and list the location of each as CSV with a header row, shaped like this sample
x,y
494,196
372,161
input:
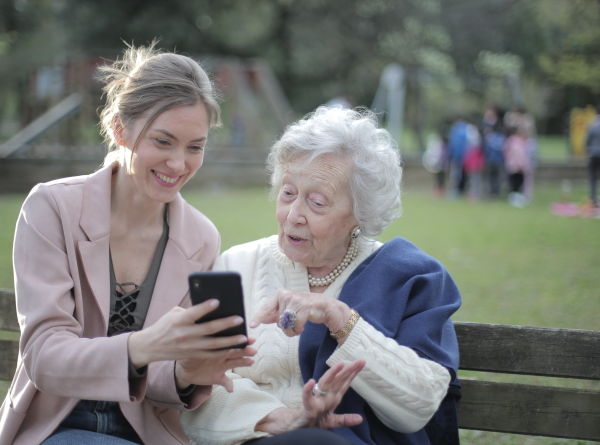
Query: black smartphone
x,y
225,287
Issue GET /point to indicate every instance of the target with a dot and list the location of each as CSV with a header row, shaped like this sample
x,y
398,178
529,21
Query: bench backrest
x,y
9,348
528,409
485,405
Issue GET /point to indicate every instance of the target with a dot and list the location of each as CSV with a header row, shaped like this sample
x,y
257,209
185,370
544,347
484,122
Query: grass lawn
x,y
523,267
553,148
520,267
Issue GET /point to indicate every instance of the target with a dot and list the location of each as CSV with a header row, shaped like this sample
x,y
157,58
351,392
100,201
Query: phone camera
x,y
196,285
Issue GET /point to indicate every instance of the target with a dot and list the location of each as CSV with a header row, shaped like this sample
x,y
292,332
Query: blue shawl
x,y
409,296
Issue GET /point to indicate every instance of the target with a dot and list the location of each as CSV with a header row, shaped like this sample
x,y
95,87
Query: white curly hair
x,y
376,175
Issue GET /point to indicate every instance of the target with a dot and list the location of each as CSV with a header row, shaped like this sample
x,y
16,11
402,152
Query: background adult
x,y
592,148
108,354
494,140
457,148
474,161
375,319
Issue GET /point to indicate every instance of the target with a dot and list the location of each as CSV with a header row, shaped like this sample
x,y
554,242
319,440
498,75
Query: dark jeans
x,y
494,172
516,181
303,436
594,174
440,179
94,423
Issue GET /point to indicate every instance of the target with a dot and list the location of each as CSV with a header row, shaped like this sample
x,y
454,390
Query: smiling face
x,y
314,212
169,151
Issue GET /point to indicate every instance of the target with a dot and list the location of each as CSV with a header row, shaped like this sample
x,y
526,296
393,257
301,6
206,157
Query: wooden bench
x,y
528,409
485,405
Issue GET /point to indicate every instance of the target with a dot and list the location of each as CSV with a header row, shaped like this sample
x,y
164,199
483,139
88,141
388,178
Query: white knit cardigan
x,y
403,389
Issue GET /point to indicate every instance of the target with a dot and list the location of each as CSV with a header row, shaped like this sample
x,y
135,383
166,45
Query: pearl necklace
x,y
325,281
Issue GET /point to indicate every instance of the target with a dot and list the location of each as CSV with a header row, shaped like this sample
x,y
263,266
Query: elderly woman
x,y
369,322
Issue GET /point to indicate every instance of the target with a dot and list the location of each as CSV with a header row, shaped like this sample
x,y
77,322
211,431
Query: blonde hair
x,y
146,79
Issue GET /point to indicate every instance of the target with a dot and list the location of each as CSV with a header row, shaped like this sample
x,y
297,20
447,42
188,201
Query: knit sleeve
x,y
403,389
229,418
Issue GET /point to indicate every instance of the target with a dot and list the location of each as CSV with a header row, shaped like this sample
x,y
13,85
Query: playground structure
x,y
59,134
255,111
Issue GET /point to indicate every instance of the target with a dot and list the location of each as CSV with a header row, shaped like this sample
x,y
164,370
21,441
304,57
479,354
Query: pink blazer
x,y
62,289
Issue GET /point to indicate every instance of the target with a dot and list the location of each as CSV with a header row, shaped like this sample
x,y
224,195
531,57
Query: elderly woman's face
x,y
314,212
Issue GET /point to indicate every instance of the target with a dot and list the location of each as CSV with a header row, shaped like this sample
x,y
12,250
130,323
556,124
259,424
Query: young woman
x,y
110,352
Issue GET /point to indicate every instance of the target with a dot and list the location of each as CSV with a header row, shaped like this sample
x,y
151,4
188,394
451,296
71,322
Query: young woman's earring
x,y
118,131
356,232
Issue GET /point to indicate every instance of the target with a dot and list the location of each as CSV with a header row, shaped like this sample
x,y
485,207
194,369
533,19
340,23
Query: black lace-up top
x,y
129,302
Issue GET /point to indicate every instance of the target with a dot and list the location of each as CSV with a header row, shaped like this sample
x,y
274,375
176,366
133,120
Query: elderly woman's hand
x,y
317,409
317,308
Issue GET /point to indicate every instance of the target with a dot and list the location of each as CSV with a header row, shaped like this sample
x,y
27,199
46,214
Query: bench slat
x,y
512,408
529,350
9,353
8,310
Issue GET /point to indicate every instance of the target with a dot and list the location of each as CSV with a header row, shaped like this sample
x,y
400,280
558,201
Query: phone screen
x,y
225,287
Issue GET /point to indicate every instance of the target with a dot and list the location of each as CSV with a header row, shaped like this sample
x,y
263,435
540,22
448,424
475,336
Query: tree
x,y
28,37
453,50
573,54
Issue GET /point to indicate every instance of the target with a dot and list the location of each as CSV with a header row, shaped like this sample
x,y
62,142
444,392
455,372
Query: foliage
x,y
573,57
28,39
498,64
459,52
313,45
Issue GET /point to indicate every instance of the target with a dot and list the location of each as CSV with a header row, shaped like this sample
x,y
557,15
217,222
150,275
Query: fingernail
x,y
242,340
213,303
238,320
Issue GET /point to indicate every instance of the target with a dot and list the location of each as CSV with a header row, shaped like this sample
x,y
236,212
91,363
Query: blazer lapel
x,y
178,261
171,287
95,222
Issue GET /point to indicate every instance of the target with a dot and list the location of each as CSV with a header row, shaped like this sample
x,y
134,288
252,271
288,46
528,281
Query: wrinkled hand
x,y
317,411
176,336
317,308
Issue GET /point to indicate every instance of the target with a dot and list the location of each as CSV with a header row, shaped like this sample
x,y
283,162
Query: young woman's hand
x,y
317,410
199,371
176,336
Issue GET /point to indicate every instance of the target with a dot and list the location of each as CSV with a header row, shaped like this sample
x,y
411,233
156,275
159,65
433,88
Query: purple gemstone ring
x,y
287,320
